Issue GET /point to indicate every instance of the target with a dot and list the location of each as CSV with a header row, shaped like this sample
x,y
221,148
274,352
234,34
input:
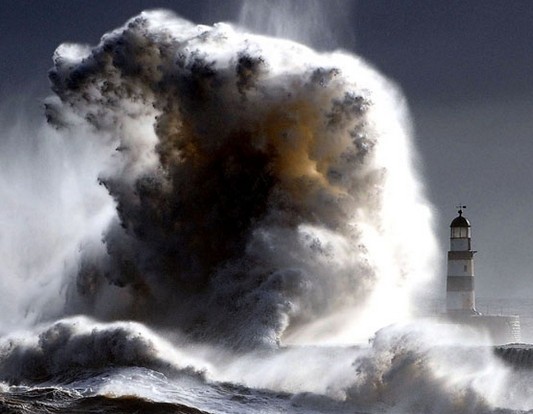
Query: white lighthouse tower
x,y
460,297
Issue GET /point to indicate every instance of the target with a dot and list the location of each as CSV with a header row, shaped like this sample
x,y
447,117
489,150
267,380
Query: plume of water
x,y
258,184
311,22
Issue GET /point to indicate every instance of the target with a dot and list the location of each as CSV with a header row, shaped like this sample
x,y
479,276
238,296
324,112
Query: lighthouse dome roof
x,y
460,221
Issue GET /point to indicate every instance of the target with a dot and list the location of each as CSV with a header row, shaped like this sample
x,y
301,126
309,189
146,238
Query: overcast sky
x,y
464,66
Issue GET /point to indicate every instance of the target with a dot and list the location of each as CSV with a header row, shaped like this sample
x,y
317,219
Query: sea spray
x,y
311,22
50,209
258,183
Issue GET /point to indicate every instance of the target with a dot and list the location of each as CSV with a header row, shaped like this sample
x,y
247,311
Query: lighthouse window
x,y
465,268
460,232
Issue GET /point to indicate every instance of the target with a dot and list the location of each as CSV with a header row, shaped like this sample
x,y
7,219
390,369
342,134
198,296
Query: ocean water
x,y
211,220
79,365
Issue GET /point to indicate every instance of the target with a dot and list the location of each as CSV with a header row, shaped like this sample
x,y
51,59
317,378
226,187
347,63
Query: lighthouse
x,y
460,297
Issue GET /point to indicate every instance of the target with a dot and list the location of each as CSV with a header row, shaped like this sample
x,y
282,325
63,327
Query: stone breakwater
x,y
517,355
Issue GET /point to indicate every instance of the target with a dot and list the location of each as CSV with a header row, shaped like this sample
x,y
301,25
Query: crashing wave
x,y
257,185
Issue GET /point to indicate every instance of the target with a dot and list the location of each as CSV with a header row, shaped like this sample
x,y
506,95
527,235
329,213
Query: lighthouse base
x,y
502,329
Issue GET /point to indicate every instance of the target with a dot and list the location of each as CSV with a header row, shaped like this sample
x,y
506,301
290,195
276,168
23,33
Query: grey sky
x,y
465,67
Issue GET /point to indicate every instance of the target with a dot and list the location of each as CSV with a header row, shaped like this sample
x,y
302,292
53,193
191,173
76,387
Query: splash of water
x,y
258,183
309,22
50,209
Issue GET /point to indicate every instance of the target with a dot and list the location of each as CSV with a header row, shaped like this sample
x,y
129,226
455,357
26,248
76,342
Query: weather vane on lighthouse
x,y
460,208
